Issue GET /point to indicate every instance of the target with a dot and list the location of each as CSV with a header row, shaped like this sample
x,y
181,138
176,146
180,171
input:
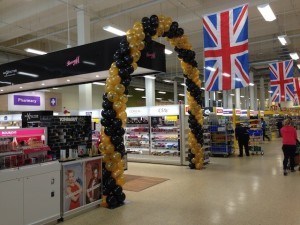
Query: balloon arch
x,y
115,98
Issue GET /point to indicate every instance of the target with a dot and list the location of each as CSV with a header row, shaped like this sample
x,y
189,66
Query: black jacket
x,y
241,133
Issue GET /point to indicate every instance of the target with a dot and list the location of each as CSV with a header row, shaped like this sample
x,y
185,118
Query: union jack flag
x,y
226,49
296,90
281,81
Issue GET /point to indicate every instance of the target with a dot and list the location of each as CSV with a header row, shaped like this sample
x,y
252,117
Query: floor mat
x,y
140,183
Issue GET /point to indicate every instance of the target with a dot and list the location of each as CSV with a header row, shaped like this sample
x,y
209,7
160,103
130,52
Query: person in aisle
x,y
242,136
279,126
263,127
289,141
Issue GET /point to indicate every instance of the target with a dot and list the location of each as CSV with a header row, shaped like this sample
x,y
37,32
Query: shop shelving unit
x,y
222,135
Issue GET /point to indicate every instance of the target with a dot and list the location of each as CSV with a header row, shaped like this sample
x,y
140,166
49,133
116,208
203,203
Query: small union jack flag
x,y
281,81
296,90
226,49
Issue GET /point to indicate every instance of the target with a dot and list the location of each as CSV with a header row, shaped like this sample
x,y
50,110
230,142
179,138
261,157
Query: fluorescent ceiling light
x,y
294,56
162,92
270,92
238,79
21,87
168,52
181,94
298,65
34,51
143,96
43,84
99,83
284,39
257,99
68,80
159,98
54,88
219,100
226,75
220,92
232,94
267,99
202,88
251,84
1,90
210,68
129,96
150,77
114,30
28,74
139,89
97,75
168,81
266,12
183,84
89,63
242,96
5,82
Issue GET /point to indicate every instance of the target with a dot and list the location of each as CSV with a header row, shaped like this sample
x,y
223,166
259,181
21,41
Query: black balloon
x,y
117,55
107,104
117,190
126,82
192,165
121,198
108,131
120,131
128,59
106,122
117,122
115,139
125,50
123,72
152,31
120,147
120,63
154,21
104,97
105,173
111,201
126,92
130,69
105,191
110,113
110,183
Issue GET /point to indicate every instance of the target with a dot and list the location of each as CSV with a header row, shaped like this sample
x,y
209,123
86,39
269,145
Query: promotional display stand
x,y
153,134
81,185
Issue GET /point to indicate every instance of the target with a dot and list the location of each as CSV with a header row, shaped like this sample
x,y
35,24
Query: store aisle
x,y
243,191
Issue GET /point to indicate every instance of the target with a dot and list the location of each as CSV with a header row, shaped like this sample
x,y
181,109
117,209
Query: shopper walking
x,y
289,140
263,127
242,136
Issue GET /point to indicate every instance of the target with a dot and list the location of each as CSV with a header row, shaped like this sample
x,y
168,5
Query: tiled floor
x,y
230,191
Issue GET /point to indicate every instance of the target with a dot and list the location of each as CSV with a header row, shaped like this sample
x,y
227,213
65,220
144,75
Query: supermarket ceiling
x,y
50,25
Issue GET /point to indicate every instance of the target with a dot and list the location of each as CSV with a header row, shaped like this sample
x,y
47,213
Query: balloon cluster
x,y
115,98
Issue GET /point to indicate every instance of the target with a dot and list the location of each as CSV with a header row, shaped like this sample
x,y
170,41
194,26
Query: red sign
x,y
22,132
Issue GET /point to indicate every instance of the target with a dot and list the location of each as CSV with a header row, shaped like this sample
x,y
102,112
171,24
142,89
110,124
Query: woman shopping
x,y
289,140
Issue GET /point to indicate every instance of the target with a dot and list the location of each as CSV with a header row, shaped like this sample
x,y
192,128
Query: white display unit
x,y
30,194
153,134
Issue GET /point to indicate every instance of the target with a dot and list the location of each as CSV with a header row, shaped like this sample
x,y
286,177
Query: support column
x,y
83,37
255,97
206,98
212,98
262,93
270,96
175,92
150,91
251,90
238,98
225,99
230,103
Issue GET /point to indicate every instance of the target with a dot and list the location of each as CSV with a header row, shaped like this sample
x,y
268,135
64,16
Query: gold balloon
x,y
115,80
140,36
109,87
112,96
109,149
193,160
102,147
119,89
122,115
104,139
116,157
117,106
113,71
141,46
134,65
110,166
116,173
120,180
124,98
121,164
106,158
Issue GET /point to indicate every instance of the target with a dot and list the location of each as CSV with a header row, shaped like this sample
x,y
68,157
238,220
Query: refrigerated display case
x,y
153,134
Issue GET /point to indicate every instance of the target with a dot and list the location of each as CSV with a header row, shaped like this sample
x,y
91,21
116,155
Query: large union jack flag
x,y
281,81
296,90
226,49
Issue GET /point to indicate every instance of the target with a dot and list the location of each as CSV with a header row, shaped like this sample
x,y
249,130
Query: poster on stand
x,y
73,186
93,177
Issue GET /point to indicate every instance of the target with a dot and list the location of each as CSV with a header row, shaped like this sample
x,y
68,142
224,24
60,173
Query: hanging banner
x,y
226,49
281,81
227,112
219,111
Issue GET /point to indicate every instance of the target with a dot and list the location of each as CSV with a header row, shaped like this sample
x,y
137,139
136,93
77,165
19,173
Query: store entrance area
x,y
249,190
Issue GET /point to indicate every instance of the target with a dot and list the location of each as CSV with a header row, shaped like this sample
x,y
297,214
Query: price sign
x,y
164,110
